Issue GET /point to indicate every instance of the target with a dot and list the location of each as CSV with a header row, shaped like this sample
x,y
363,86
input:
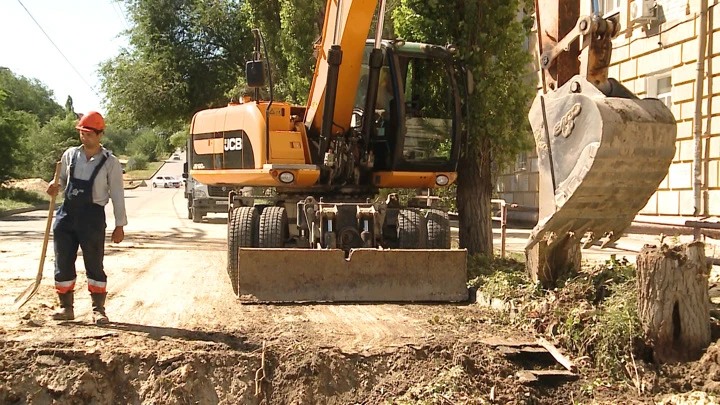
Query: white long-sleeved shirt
x,y
108,182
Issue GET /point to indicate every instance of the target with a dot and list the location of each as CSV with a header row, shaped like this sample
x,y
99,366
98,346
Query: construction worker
x,y
90,176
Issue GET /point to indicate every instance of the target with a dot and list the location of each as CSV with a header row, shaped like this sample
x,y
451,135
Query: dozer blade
x,y
312,275
600,159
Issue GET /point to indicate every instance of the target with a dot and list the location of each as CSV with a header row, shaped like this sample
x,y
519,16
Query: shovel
x,y
32,288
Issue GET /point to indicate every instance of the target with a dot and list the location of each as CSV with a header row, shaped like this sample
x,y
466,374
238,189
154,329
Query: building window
x,y
664,90
608,7
660,87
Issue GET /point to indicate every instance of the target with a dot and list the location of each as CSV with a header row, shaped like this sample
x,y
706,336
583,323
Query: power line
x,y
58,49
121,15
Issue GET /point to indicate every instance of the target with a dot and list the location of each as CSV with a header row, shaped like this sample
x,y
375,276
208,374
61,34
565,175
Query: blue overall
x,y
80,222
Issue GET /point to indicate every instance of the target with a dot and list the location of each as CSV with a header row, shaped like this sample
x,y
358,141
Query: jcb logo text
x,y
233,144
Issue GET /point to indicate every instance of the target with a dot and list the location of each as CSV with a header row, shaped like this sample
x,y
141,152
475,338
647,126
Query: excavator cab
x,y
417,109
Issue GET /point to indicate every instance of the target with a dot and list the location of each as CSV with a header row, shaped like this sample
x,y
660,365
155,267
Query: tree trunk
x,y
474,191
673,302
547,264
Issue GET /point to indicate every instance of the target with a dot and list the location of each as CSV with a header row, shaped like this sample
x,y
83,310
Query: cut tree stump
x,y
546,264
673,301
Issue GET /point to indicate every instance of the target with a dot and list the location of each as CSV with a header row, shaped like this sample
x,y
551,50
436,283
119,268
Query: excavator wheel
x,y
273,231
438,229
412,229
242,232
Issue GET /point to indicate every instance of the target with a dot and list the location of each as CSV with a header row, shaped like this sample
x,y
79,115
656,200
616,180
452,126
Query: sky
x,y
87,32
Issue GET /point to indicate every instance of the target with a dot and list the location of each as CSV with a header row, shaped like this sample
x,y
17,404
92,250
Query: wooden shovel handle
x,y
51,211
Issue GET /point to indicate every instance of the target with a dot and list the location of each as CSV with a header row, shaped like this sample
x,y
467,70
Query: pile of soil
x,y
36,185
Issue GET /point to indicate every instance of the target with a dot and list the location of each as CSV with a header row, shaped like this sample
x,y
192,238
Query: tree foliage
x,y
149,144
289,29
29,95
50,142
184,55
490,37
179,138
35,130
13,125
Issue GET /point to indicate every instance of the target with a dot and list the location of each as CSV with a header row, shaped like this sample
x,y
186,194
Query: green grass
x,y
144,174
14,198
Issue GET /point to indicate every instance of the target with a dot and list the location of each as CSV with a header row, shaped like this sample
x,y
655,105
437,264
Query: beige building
x,y
656,55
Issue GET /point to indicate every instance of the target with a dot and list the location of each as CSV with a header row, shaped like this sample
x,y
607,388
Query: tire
x,y
242,232
412,229
197,215
438,229
273,230
154,185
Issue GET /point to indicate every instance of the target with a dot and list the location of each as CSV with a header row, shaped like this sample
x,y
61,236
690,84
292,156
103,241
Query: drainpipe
x,y
697,121
708,124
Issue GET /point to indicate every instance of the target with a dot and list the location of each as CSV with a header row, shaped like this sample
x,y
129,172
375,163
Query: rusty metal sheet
x,y
313,275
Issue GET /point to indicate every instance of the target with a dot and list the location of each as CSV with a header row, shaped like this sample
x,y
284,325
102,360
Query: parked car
x,y
165,182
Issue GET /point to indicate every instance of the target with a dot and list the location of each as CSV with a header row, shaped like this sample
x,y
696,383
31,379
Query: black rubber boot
x,y
65,313
98,304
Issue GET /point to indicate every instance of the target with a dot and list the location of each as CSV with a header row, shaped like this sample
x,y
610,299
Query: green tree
x,y
183,56
490,37
148,143
29,95
291,28
14,127
48,145
69,107
117,139
179,138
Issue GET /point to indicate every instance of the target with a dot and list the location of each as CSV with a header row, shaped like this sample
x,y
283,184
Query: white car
x,y
165,182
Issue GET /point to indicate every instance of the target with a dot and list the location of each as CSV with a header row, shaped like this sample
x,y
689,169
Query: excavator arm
x,y
602,151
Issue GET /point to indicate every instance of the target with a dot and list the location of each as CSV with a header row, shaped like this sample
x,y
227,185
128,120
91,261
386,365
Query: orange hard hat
x,y
92,121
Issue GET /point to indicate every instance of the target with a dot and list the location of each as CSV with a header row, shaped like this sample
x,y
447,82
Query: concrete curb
x,y
8,213
156,171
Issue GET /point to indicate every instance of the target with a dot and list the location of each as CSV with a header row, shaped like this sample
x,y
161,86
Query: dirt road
x,y
179,336
172,308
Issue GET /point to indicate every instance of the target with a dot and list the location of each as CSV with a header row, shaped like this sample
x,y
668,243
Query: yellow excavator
x,y
380,114
388,114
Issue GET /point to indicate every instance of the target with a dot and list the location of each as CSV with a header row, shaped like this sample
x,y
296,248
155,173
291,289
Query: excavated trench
x,y
136,370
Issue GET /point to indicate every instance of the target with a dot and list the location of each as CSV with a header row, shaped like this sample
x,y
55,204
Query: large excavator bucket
x,y
313,275
600,159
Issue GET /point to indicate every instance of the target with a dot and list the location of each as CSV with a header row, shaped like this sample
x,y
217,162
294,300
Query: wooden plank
x,y
542,376
497,341
557,355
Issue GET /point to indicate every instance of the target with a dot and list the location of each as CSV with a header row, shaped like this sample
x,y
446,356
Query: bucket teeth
x,y
610,239
588,240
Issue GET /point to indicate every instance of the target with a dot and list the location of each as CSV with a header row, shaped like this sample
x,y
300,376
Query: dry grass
x,y
591,314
